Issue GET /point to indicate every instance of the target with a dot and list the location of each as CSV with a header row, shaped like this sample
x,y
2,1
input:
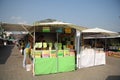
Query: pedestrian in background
x,y
27,51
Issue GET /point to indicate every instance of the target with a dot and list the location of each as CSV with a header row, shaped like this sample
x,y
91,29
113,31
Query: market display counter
x,y
54,64
90,57
100,58
45,65
66,63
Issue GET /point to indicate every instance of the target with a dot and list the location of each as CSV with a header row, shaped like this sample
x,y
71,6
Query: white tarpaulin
x,y
95,33
15,27
54,23
99,30
89,57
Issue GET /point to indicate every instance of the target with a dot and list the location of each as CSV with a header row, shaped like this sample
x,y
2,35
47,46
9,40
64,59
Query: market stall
x,y
93,54
54,47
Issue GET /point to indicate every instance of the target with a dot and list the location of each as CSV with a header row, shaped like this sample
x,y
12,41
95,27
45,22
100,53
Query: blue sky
x,y
88,13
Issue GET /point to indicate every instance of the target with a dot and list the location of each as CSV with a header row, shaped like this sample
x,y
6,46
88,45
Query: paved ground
x,y
11,69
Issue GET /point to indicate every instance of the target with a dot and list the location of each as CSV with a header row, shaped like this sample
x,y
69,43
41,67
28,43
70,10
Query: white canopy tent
x,y
55,24
53,27
16,29
100,37
95,33
99,30
91,56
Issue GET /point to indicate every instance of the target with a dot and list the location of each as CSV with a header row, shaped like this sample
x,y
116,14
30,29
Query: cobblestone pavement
x,y
11,69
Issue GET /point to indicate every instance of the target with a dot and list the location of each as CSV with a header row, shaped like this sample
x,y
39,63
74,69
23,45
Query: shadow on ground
x,y
5,52
113,77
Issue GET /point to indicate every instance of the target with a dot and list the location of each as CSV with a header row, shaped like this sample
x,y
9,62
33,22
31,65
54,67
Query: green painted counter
x,y
66,64
54,65
45,65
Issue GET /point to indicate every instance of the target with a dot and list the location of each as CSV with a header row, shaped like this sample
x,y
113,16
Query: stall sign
x,y
67,30
59,30
46,29
66,53
45,53
53,54
60,53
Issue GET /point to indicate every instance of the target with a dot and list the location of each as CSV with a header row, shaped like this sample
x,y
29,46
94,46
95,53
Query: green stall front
x,y
53,61
54,65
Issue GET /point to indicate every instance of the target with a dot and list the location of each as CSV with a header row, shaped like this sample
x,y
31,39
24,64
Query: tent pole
x,y
57,53
78,46
27,30
34,51
95,51
105,43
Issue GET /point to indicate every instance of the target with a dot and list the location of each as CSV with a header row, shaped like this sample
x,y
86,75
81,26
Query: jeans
x,y
24,59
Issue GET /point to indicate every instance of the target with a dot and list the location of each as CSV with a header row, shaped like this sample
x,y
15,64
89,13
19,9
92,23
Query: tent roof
x,y
99,33
14,27
56,24
43,23
97,37
99,30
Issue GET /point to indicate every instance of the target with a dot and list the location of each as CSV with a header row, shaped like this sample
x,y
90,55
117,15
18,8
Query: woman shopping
x,y
27,51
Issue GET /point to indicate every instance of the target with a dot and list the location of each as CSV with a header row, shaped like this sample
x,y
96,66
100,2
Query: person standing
x,y
27,51
22,46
